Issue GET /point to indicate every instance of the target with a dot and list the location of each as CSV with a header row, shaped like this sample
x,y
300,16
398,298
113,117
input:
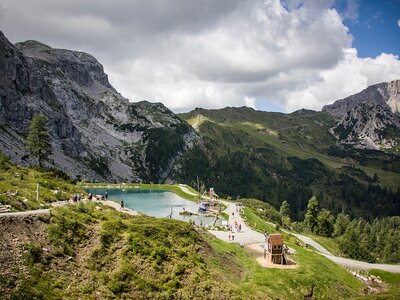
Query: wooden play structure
x,y
210,203
275,249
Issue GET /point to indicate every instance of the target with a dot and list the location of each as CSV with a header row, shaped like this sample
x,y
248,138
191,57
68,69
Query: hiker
x,y
233,215
229,237
233,237
79,197
240,227
106,194
122,204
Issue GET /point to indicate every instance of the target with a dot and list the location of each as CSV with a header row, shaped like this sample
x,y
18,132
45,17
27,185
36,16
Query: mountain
x,y
96,134
276,157
386,94
369,119
369,125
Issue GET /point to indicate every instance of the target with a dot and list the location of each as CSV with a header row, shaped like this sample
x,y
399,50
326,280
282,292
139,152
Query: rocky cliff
x,y
386,94
369,125
95,132
369,119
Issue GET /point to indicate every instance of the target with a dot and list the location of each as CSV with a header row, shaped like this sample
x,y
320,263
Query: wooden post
x,y
37,192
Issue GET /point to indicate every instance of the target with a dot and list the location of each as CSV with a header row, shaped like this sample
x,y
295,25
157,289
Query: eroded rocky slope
x,y
96,133
369,119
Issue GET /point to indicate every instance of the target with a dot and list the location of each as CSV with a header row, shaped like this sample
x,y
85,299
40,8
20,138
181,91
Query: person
x,y
122,204
229,237
106,194
233,237
79,197
240,227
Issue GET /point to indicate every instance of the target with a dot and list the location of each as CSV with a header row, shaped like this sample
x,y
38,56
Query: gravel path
x,y
311,242
113,204
245,236
26,213
249,236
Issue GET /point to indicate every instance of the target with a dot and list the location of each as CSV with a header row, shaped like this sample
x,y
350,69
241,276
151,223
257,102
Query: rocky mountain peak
x,y
78,66
386,94
95,132
369,125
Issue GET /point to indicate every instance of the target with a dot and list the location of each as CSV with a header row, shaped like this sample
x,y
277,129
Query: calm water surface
x,y
155,203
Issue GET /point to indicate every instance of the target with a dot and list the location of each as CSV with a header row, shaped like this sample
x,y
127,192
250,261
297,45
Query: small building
x,y
275,249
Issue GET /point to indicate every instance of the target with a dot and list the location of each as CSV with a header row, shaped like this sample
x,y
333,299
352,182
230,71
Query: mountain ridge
x,y
96,134
387,94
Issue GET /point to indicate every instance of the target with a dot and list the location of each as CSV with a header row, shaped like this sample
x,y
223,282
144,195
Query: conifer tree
x,y
38,140
285,212
310,218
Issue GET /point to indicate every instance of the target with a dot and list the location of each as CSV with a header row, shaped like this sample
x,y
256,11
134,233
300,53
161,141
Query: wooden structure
x,y
275,249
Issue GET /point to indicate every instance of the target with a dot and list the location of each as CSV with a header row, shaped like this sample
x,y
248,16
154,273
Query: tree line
x,y
372,241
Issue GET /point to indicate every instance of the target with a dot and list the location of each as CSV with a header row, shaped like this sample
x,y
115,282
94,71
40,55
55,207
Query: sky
x,y
267,54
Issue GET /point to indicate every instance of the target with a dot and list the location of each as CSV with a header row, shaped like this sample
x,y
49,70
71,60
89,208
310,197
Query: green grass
x,y
96,251
332,281
52,186
114,255
256,222
393,281
329,243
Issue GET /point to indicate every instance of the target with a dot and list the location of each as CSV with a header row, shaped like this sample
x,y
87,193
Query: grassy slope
x,y
309,260
14,177
115,255
304,134
265,144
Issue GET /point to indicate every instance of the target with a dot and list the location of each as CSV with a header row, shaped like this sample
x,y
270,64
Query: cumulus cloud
x,y
211,53
349,76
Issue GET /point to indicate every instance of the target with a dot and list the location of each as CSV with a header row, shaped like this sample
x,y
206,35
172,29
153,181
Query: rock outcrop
x,y
386,94
369,119
371,126
96,134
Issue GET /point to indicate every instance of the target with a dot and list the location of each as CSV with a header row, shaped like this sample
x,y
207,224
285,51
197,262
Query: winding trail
x,y
250,236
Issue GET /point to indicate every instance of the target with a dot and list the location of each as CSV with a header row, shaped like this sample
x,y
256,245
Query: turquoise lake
x,y
155,203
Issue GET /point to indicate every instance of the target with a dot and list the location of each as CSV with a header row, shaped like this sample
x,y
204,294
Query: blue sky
x,y
375,27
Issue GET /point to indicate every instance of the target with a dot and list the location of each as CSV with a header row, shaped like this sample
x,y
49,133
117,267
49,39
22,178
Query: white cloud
x,y
211,53
349,76
398,22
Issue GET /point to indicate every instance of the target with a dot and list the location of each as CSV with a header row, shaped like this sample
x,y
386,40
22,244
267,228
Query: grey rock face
x,y
369,125
386,94
369,119
96,133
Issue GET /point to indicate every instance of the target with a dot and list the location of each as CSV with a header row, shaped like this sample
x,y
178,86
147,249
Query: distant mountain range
x,y
347,155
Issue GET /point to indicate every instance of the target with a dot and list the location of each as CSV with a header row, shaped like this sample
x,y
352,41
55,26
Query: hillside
x,y
96,134
91,251
18,186
276,157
